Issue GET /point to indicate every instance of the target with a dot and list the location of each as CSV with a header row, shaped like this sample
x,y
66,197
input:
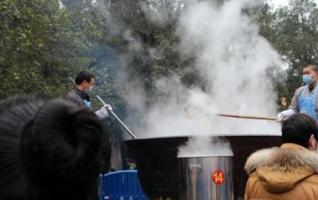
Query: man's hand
x,y
284,115
104,111
108,107
279,118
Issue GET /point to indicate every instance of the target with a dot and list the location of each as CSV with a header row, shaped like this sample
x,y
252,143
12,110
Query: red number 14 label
x,y
218,177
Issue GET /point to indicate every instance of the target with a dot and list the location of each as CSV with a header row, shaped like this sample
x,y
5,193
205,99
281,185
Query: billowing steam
x,y
204,146
233,60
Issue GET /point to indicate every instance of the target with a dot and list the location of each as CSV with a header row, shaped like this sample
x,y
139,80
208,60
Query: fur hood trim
x,y
287,157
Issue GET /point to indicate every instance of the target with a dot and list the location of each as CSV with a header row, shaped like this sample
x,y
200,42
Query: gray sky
x,y
279,2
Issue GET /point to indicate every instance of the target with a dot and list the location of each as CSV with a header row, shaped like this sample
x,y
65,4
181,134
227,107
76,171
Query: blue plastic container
x,y
121,185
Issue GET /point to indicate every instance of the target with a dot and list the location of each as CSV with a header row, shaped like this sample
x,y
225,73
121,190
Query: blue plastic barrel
x,y
121,185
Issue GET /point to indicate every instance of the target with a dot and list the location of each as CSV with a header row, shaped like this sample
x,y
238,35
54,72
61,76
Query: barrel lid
x,y
229,154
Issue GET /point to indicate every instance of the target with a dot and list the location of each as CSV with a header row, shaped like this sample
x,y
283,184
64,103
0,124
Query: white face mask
x,y
307,79
90,89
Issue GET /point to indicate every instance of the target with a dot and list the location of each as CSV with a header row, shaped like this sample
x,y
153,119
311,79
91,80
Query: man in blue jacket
x,y
305,99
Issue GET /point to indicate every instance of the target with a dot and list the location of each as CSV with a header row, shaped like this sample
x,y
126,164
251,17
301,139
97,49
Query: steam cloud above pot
x,y
233,59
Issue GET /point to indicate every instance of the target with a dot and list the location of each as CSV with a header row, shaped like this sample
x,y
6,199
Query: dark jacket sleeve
x,y
74,97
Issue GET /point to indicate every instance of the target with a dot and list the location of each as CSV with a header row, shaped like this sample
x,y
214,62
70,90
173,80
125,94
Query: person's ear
x,y
85,83
312,143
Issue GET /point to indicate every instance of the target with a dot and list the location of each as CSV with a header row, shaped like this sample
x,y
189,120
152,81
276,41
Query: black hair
x,y
7,103
49,151
314,67
298,129
83,76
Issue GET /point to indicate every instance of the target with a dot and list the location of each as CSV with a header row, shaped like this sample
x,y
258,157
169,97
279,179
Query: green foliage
x,y
42,43
39,47
292,30
155,54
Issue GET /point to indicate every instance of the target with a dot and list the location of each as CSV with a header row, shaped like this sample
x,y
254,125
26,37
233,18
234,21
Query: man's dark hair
x,y
314,67
298,129
83,76
48,151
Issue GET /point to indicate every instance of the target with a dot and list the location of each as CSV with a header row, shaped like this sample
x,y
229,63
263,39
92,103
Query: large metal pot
x,y
158,165
206,178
